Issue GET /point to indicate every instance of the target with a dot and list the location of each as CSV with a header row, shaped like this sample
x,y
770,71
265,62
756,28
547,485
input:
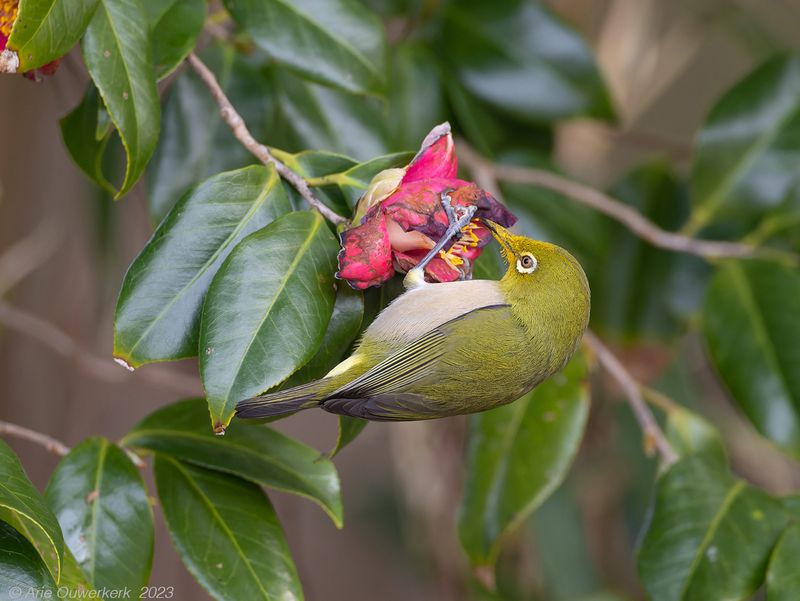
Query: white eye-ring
x,y
527,263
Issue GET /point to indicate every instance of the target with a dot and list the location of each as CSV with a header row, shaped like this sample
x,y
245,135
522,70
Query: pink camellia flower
x,y
401,217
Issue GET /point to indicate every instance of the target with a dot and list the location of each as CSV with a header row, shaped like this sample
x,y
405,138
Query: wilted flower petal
x,y
366,257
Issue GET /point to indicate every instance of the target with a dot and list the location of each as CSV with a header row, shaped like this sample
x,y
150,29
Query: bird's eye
x,y
526,263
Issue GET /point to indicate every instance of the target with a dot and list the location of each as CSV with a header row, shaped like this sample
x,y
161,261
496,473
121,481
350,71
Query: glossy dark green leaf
x,y
338,43
416,95
710,536
747,153
349,429
689,433
174,27
116,50
751,323
783,577
186,153
519,57
46,29
504,485
75,580
22,505
320,118
266,311
226,532
86,139
158,311
256,453
639,291
343,327
102,505
21,568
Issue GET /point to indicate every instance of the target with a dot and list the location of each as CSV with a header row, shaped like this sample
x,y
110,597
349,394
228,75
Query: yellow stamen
x,y
8,14
469,239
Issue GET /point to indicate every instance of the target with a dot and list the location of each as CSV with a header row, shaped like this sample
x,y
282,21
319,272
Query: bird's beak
x,y
501,234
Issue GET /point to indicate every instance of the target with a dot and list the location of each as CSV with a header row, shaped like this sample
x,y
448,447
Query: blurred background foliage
x,y
687,111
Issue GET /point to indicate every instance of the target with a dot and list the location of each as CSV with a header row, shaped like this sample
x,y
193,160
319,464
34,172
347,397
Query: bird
x,y
443,349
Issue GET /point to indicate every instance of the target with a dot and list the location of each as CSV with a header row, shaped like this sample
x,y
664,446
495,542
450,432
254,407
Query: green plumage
x,y
462,347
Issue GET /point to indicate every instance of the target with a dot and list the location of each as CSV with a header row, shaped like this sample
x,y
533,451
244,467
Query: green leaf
x,y
519,57
349,429
746,152
21,568
639,291
266,311
226,532
174,27
73,577
23,506
158,311
256,453
102,505
86,139
46,29
321,118
341,179
416,95
751,324
710,535
338,43
783,577
504,486
116,50
688,433
187,154
343,327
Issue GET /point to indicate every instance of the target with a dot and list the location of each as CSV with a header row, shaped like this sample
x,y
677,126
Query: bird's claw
x,y
458,217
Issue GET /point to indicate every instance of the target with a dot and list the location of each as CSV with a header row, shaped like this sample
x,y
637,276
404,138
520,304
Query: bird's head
x,y
533,263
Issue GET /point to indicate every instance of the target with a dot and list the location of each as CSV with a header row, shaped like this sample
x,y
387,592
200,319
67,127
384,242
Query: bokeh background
x,y
65,246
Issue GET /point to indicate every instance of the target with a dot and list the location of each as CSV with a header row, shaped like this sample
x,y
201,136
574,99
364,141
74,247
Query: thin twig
x,y
261,152
653,435
26,255
48,442
52,444
632,219
57,340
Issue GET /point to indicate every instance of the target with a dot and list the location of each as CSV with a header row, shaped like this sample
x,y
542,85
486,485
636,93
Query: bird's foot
x,y
458,217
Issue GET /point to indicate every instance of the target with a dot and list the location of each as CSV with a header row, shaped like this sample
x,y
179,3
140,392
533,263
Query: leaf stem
x,y
654,438
659,399
488,171
261,152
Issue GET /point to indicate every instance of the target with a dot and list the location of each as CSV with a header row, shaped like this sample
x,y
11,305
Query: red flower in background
x,y
401,218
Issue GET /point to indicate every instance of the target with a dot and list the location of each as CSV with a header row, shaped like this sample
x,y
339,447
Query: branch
x,y
26,255
654,438
48,442
101,368
261,152
632,219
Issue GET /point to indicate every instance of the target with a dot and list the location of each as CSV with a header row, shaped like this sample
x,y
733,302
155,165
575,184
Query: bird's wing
x,y
420,310
382,392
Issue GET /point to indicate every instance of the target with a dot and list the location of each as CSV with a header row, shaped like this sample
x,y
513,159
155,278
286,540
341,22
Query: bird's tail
x,y
283,402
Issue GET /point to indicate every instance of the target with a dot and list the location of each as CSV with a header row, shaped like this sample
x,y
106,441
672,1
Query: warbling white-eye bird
x,y
459,347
